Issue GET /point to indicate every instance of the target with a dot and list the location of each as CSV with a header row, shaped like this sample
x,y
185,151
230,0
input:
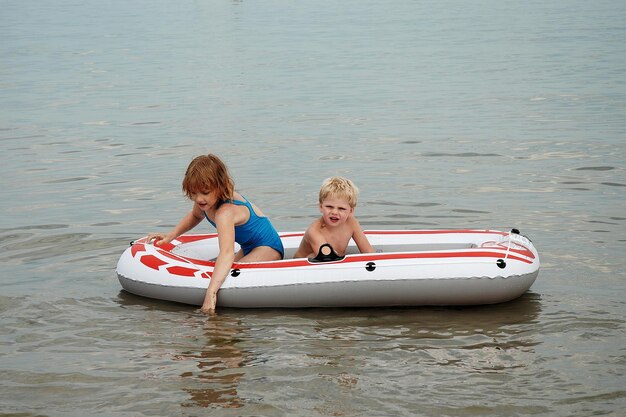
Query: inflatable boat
x,y
409,268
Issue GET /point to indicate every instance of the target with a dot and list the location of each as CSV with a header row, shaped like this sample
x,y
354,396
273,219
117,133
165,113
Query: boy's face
x,y
335,211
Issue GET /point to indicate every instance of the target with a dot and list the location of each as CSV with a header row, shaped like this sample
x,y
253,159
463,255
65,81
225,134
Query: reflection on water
x,y
223,358
219,362
349,349
211,354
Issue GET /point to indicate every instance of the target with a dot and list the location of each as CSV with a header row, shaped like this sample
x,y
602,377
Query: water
x,y
446,115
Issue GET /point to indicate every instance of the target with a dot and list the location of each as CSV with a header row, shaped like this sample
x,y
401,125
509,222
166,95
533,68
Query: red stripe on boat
x,y
152,261
137,247
182,271
383,257
433,232
172,256
195,238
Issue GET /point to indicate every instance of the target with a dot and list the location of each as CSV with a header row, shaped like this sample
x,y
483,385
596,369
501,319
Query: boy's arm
x,y
360,239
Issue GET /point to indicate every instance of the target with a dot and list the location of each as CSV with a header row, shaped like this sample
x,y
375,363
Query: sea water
x,y
446,114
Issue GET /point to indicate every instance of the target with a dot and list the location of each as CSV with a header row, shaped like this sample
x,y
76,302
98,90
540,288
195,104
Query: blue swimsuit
x,y
257,231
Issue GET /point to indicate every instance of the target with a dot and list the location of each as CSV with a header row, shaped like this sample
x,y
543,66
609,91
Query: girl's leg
x,y
260,254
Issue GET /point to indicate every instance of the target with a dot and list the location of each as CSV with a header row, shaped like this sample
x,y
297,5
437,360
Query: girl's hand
x,y
159,239
210,300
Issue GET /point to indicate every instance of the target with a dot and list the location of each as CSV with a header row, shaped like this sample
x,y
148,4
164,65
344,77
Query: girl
x,y
209,185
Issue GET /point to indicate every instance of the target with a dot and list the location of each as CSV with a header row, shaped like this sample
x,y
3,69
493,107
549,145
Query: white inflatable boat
x,y
409,268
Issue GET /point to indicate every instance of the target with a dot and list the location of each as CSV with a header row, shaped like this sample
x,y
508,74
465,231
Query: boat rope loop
x,y
502,262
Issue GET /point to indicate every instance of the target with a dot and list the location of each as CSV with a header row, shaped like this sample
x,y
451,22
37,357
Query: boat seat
x,y
352,249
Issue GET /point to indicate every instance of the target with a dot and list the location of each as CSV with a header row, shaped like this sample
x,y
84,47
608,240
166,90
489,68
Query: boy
x,y
337,225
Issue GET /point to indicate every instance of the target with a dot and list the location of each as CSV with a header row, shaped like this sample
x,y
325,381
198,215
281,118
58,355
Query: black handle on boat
x,y
326,254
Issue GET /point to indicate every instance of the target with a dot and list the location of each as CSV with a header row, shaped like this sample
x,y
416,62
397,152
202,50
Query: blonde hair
x,y
339,187
208,172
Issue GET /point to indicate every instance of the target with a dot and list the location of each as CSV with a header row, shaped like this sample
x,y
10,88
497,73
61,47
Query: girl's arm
x,y
360,239
191,220
225,224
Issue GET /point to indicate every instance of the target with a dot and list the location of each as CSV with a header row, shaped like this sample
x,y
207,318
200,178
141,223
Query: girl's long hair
x,y
208,173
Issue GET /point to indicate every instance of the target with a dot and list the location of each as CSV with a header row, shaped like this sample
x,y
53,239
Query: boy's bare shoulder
x,y
354,223
316,225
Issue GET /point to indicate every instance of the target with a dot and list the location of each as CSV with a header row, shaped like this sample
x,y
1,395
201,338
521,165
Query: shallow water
x,y
495,116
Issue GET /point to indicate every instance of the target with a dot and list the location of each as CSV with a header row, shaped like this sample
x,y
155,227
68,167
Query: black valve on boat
x,y
326,254
517,232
